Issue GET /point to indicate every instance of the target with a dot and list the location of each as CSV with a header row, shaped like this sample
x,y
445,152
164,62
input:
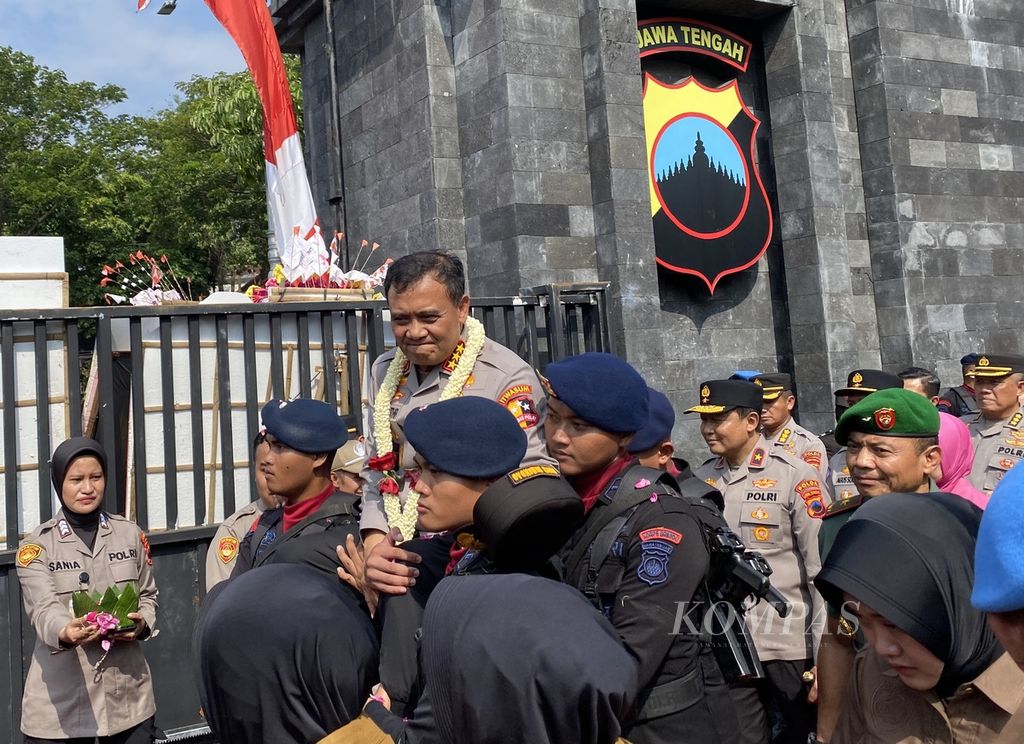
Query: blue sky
x,y
106,41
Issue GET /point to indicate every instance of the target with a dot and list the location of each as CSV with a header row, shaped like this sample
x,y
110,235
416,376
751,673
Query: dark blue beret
x,y
305,425
600,388
660,420
471,437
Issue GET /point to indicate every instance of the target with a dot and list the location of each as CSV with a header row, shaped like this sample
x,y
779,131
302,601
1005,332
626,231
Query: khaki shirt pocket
x,y
124,572
761,525
998,465
66,582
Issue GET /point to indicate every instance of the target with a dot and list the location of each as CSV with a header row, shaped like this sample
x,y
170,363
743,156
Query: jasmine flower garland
x,y
404,517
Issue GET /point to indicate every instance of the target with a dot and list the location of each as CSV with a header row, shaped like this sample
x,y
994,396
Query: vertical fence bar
x,y
508,323
139,422
227,443
167,412
195,362
252,398
530,319
43,447
488,320
74,378
329,365
355,389
17,658
112,499
556,324
302,336
606,331
276,357
590,340
10,436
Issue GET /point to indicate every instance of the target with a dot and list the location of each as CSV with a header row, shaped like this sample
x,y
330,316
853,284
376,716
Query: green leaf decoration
x,y
82,603
129,602
109,601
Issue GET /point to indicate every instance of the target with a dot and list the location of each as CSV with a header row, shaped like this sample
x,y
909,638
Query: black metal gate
x,y
541,325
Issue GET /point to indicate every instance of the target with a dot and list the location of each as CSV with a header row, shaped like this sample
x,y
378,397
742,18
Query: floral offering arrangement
x,y
112,606
144,282
309,264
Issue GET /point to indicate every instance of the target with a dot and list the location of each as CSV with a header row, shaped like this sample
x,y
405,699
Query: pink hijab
x,y
957,459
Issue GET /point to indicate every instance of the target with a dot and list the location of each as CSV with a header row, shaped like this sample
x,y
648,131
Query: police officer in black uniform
x,y
314,518
640,556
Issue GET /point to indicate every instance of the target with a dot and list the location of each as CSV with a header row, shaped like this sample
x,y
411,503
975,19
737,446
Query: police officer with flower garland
x,y
997,429
774,501
859,384
441,353
314,518
781,429
640,556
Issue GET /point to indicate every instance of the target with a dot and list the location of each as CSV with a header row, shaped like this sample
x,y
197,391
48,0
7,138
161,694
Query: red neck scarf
x,y
295,513
592,485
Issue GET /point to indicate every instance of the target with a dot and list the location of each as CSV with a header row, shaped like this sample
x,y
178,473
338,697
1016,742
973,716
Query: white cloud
x,y
106,41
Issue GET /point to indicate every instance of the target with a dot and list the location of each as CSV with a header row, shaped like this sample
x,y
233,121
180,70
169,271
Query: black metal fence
x,y
316,349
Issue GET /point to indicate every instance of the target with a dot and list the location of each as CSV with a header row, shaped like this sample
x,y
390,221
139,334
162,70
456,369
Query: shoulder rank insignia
x,y
63,528
757,458
843,505
713,482
785,435
532,471
1015,420
227,549
28,553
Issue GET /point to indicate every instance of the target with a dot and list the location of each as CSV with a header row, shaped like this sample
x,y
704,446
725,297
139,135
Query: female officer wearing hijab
x,y
74,690
902,568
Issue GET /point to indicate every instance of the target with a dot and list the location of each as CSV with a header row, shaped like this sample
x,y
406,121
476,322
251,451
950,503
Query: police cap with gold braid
x,y
718,396
998,365
774,384
890,413
863,381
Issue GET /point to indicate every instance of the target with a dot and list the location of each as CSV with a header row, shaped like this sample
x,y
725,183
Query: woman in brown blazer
x,y
75,690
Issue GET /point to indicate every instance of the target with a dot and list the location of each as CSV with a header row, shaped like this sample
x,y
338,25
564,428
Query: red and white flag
x,y
143,4
289,198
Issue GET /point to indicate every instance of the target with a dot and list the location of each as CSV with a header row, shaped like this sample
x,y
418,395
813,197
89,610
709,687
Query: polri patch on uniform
x,y
145,546
519,402
227,549
28,553
812,458
661,533
653,569
759,513
764,483
762,534
64,528
532,471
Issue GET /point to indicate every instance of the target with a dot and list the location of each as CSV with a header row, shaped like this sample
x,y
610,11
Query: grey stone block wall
x,y
939,89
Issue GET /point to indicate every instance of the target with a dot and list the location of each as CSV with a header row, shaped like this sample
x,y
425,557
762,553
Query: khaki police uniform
x,y
998,446
64,698
803,444
839,482
774,501
499,374
223,550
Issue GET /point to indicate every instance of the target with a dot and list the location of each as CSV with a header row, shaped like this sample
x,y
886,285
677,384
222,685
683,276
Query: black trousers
x,y
142,733
775,710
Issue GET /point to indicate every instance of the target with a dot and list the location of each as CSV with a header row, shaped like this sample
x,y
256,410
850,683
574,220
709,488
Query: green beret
x,y
893,412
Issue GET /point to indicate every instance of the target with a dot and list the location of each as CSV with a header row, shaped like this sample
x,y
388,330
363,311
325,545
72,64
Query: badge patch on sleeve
x,y
532,471
812,458
653,568
661,533
145,546
28,553
227,549
519,402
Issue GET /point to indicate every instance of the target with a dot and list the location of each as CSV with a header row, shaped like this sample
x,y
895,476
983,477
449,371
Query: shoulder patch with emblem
x,y
145,546
812,458
843,505
532,471
227,549
653,568
28,553
518,399
661,533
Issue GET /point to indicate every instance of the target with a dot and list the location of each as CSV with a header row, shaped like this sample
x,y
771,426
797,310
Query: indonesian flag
x,y
289,198
143,4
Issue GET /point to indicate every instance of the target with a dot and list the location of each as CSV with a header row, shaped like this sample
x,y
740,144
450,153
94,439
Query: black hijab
x,y
524,658
910,557
286,655
84,525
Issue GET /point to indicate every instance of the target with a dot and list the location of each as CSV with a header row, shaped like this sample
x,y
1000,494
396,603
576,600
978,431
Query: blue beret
x,y
471,437
744,374
660,420
600,388
305,425
971,358
999,554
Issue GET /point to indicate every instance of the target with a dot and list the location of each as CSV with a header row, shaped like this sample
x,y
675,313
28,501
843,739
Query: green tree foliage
x,y
187,182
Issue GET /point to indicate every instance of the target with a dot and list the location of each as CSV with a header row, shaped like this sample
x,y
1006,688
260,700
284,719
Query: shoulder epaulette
x,y
843,505
784,436
1014,422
